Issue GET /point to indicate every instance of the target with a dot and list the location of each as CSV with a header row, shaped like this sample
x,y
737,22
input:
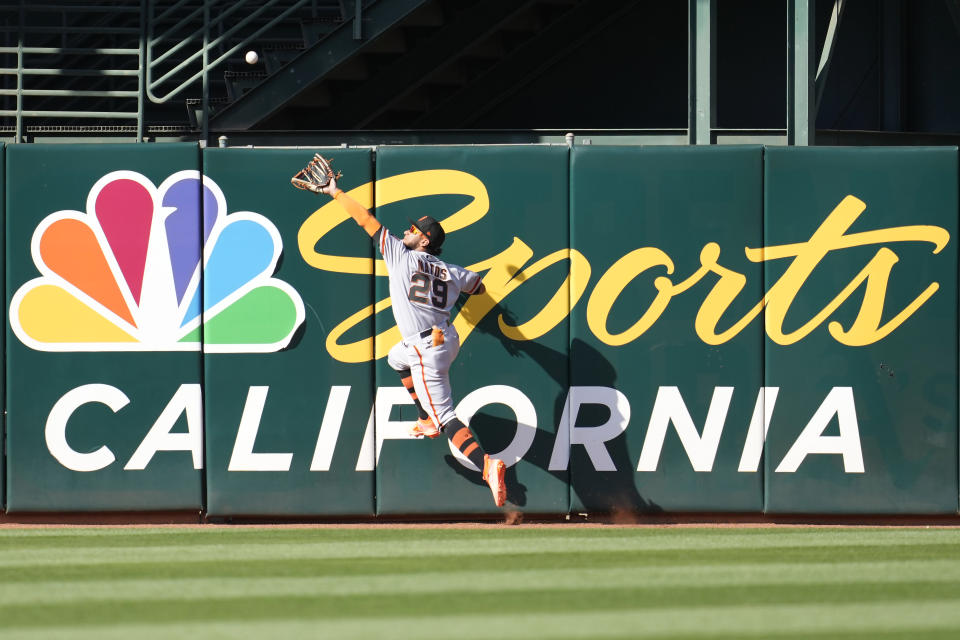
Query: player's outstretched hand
x,y
331,187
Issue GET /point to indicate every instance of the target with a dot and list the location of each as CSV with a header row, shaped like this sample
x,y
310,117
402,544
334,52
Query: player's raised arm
x,y
318,176
356,210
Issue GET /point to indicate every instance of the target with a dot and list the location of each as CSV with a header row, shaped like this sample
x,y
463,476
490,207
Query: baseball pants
x,y
429,367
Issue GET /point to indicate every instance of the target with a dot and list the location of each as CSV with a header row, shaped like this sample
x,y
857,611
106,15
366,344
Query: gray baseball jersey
x,y
423,288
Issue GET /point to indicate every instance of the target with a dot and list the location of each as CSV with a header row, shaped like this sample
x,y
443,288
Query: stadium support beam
x,y
826,55
702,68
953,6
801,97
890,57
358,20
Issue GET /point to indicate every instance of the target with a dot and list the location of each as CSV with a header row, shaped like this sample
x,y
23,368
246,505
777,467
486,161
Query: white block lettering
x,y
380,427
523,410
757,433
592,438
55,431
330,428
701,449
243,458
811,440
187,400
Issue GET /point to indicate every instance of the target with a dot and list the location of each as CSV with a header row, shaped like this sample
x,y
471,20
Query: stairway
x,y
130,66
69,66
426,65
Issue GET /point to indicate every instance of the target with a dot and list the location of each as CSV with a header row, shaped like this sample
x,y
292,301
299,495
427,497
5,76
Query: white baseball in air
x,y
251,57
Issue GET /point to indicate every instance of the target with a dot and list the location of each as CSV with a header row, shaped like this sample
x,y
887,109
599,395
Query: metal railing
x,y
98,64
178,48
182,33
61,46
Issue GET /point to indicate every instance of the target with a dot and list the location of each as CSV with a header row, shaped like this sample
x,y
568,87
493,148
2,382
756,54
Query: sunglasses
x,y
414,230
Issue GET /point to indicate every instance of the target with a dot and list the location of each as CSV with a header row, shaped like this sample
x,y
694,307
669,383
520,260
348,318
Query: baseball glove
x,y
316,175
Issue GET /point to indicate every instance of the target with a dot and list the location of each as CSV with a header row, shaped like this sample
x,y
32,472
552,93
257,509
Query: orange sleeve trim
x,y
358,212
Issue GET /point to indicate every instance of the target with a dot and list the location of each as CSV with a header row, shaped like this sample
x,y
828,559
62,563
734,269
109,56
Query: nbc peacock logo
x,y
125,275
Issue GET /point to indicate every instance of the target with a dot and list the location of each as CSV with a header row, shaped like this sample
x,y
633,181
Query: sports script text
x,y
505,272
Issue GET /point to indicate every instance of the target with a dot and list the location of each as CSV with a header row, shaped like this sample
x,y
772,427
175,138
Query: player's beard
x,y
411,241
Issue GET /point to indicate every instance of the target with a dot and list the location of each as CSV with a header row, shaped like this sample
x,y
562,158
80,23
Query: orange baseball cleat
x,y
424,428
493,471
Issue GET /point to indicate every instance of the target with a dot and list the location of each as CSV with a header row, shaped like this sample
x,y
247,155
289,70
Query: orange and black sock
x,y
463,439
407,379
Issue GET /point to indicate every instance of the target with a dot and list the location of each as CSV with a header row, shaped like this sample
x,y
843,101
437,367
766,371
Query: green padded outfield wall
x,y
104,392
505,211
665,374
285,416
861,348
733,328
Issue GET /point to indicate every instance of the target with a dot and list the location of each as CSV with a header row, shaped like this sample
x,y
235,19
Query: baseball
x,y
251,57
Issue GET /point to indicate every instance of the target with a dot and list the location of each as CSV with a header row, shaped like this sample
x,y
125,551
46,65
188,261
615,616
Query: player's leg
x,y
397,358
434,385
431,377
492,469
431,386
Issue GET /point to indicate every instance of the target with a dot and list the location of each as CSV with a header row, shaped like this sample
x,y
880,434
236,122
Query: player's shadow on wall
x,y
597,491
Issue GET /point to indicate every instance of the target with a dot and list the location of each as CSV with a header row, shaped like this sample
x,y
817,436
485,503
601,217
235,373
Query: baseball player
x,y
423,289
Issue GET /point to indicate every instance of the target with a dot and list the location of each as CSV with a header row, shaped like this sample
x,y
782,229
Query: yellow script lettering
x,y
504,273
831,236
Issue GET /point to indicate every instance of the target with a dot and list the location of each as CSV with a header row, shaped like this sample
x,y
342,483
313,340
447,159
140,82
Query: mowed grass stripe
x,y
854,575
79,537
385,544
287,561
878,620
349,582
174,567
493,603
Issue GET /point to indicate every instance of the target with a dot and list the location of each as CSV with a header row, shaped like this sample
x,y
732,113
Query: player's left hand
x,y
331,187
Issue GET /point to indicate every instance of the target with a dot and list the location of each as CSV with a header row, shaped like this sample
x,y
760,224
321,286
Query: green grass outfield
x,y
480,582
